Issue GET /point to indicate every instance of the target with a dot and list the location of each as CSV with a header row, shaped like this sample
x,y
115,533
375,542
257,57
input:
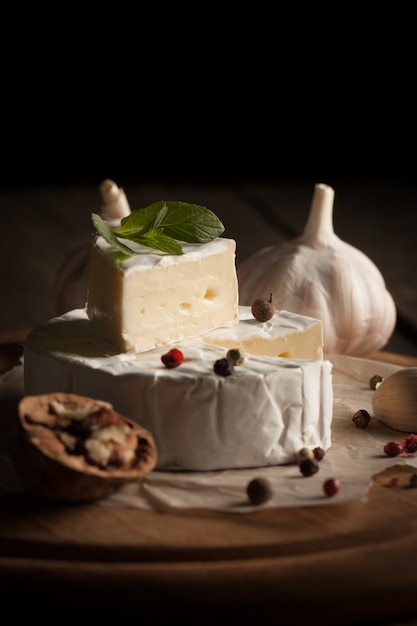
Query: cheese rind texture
x,y
261,415
286,334
151,300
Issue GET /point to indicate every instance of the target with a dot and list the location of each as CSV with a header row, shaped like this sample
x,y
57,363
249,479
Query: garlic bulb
x,y
394,401
319,275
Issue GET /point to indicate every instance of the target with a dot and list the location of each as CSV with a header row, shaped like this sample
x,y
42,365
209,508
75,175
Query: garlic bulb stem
x,y
319,231
114,203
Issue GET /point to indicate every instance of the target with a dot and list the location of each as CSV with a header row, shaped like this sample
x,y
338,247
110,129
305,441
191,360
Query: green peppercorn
x,y
375,381
235,356
304,453
361,418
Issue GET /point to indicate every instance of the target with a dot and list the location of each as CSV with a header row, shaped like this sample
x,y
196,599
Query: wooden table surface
x,y
339,564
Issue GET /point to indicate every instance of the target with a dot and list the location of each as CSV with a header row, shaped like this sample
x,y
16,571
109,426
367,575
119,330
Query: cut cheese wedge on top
x,y
151,300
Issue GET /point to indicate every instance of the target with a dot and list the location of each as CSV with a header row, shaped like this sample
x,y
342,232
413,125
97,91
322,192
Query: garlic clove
x,y
394,402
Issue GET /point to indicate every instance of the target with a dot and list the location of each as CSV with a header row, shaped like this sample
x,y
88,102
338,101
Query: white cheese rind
x,y
285,334
152,300
261,415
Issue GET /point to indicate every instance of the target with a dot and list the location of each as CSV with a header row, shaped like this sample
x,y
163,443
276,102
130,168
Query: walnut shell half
x,y
71,448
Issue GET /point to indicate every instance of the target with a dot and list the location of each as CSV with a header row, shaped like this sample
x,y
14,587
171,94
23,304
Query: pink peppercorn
x,y
393,448
410,443
173,358
331,486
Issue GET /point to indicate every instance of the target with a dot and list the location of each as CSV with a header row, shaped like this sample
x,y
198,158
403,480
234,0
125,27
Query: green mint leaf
x,y
161,225
157,241
103,229
180,220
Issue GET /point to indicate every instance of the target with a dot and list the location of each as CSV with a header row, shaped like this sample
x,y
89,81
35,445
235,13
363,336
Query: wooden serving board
x,y
344,564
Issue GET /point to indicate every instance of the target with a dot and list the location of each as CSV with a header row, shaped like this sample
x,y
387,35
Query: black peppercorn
x,y
259,490
223,367
308,467
319,453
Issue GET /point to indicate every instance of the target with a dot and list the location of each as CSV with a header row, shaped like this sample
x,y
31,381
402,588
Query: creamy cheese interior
x,y
285,334
152,300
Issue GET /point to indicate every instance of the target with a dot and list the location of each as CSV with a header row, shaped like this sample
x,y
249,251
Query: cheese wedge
x,y
286,334
152,300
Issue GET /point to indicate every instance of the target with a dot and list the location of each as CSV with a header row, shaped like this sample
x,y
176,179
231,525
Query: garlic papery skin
x,y
114,204
319,275
394,402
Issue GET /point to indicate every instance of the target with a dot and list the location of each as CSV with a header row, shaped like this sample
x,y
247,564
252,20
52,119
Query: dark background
x,y
160,131
310,94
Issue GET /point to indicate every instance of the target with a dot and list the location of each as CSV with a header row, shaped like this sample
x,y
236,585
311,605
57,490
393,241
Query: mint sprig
x,y
161,226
